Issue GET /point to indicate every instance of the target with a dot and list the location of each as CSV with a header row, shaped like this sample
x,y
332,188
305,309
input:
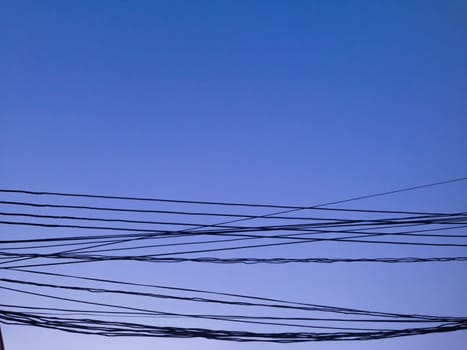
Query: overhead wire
x,y
113,328
148,199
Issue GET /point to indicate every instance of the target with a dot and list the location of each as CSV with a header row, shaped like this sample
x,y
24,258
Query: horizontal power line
x,y
196,213
215,260
149,199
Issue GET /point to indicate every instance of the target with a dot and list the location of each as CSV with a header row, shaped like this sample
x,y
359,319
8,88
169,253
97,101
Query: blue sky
x,y
294,102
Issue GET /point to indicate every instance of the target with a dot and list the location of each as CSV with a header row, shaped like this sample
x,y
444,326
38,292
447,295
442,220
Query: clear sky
x,y
292,102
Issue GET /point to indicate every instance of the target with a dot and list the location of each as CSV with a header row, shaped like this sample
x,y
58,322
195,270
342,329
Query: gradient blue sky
x,y
294,102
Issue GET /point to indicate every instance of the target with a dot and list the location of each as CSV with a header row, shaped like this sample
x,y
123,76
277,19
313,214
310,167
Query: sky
x,y
290,102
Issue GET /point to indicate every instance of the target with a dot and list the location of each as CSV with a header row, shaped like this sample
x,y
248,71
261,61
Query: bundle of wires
x,y
80,229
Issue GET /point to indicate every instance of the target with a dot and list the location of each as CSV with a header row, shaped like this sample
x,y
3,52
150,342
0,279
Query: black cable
x,y
458,218
150,258
108,328
153,211
64,194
